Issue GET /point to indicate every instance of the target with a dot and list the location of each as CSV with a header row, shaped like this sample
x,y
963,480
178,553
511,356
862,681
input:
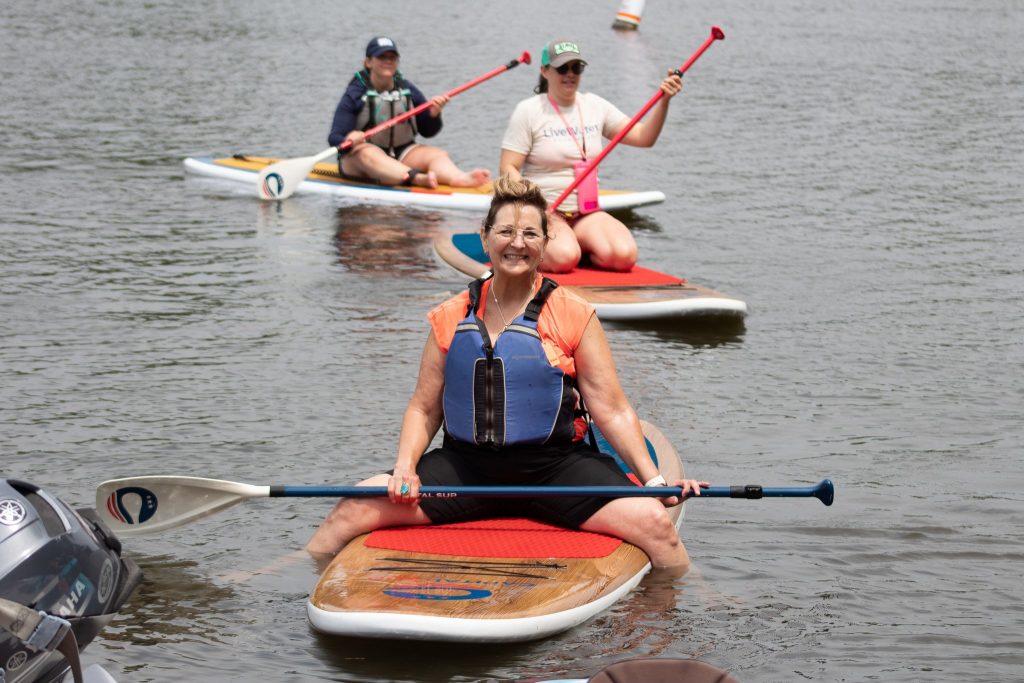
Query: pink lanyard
x,y
583,131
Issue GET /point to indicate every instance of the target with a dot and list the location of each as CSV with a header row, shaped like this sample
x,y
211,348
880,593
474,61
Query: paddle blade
x,y
280,179
141,505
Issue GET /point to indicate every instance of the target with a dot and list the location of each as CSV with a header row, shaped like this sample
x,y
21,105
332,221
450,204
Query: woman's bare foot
x,y
475,178
428,180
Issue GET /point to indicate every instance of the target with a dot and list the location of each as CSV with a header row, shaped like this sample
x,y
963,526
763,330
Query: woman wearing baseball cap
x,y
377,93
549,138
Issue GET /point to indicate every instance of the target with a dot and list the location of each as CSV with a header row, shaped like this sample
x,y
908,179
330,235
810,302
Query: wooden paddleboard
x,y
641,294
325,179
493,581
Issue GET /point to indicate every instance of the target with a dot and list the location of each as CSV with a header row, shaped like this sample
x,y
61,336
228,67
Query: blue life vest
x,y
509,394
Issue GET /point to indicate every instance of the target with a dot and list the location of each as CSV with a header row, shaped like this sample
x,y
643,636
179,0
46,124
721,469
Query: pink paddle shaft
x,y
523,59
716,34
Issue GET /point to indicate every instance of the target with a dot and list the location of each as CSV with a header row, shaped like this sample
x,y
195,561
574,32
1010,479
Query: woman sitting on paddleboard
x,y
517,420
548,140
377,94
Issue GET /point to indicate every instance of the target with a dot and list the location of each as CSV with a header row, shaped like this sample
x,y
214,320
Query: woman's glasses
x,y
508,233
576,67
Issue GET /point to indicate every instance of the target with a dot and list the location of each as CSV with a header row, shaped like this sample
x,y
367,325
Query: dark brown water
x,y
851,170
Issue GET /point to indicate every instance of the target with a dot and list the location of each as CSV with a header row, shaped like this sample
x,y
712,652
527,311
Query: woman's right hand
x,y
690,487
404,486
672,84
356,137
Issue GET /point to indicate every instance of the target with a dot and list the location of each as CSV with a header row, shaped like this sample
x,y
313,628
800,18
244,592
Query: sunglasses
x,y
576,67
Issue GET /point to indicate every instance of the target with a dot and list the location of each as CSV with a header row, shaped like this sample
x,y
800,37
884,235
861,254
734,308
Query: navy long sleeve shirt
x,y
351,104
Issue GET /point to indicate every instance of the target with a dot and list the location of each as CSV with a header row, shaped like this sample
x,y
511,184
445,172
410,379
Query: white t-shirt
x,y
537,131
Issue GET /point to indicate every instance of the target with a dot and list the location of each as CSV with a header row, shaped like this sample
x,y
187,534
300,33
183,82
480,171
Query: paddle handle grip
x,y
522,59
716,34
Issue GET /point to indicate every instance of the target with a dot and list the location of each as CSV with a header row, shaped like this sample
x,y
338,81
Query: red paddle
x,y
716,34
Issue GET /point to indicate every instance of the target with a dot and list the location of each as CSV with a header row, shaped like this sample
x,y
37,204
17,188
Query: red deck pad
x,y
592,277
524,538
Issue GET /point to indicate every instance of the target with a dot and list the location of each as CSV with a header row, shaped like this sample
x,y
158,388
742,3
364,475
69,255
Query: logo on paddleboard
x,y
143,500
434,592
272,185
11,512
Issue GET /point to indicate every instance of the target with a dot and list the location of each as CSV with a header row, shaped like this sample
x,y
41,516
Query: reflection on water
x,y
386,239
174,603
636,220
695,331
419,661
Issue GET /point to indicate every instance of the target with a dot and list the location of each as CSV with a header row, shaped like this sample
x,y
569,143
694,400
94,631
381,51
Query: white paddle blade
x,y
143,505
280,179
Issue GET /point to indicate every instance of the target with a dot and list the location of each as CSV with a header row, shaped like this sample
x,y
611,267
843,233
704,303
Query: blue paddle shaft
x,y
824,491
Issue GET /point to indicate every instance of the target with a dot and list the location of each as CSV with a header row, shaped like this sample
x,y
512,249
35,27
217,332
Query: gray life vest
x,y
379,107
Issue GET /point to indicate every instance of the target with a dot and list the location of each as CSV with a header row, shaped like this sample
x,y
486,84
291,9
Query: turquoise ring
x,y
405,489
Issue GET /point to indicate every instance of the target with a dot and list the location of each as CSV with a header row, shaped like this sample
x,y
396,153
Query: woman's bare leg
x,y
354,516
436,160
606,241
370,161
645,523
562,251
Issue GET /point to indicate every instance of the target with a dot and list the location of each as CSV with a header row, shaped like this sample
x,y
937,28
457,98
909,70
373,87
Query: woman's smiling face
x,y
563,86
515,242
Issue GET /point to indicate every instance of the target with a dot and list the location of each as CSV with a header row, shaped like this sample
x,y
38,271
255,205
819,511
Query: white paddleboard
x,y
325,179
451,583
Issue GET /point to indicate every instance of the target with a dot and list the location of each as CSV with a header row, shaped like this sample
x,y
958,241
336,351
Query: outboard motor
x,y
62,579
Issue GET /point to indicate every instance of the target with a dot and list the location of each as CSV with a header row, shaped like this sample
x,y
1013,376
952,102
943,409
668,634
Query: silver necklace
x,y
507,323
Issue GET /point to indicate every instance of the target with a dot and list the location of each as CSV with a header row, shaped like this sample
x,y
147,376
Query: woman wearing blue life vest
x,y
548,140
377,94
504,370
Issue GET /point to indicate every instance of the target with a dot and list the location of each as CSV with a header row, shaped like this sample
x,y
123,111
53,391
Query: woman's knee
x,y
562,253
363,153
350,514
619,255
640,521
653,525
424,156
560,261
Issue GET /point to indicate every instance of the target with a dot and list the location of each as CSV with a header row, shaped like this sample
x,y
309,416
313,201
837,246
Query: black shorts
x,y
458,464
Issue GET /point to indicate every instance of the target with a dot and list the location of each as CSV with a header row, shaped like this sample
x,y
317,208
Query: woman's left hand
x,y
437,104
404,486
691,487
672,84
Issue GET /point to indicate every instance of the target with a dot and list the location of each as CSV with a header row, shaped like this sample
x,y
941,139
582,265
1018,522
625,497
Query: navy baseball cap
x,y
380,45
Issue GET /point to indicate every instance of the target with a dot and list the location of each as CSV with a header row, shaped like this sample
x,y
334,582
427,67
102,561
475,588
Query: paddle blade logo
x,y
272,185
143,505
435,592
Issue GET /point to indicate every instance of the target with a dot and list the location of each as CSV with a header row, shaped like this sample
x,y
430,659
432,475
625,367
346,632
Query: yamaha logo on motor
x,y
11,512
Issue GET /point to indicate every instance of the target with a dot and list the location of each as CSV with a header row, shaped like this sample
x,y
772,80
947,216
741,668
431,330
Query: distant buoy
x,y
628,16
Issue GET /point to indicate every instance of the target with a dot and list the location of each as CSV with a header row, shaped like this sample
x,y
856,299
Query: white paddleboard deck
x,y
325,180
